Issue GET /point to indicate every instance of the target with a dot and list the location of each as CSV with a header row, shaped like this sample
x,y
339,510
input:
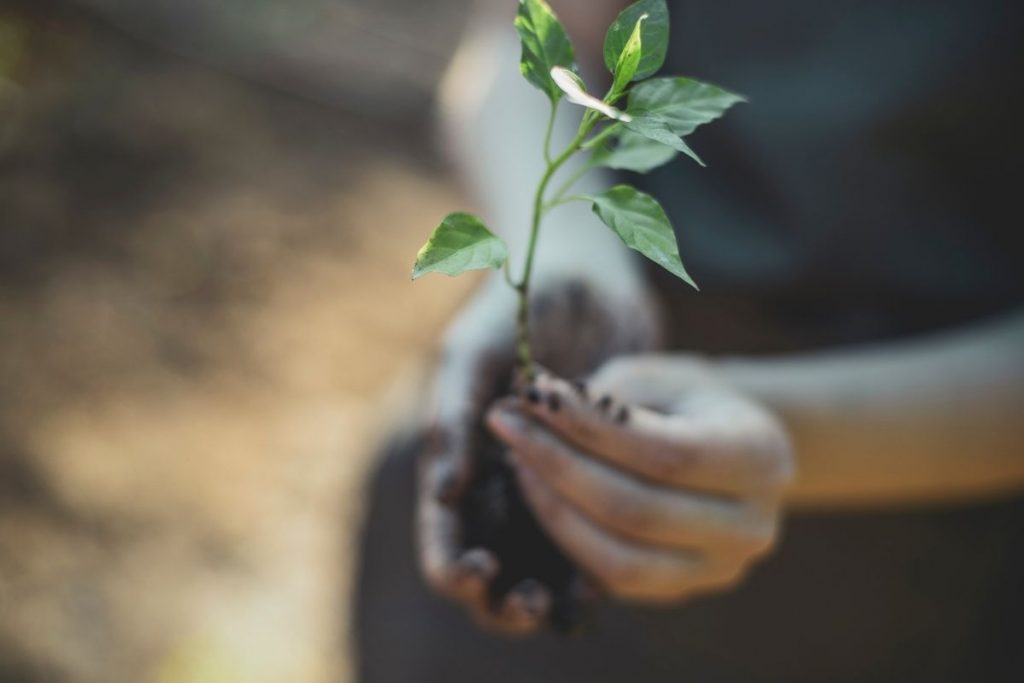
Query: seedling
x,y
644,134
637,126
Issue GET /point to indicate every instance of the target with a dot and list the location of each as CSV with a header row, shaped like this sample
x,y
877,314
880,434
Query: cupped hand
x,y
575,326
657,478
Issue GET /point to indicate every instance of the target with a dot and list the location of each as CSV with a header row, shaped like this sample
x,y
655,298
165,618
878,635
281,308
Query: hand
x,y
575,326
658,479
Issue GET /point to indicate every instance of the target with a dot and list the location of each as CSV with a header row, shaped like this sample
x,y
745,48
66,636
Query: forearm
x,y
933,419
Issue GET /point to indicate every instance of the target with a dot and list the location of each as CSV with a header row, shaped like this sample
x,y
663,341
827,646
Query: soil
x,y
498,519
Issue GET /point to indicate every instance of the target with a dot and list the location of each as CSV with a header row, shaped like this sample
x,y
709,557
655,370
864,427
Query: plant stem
x,y
547,135
562,199
556,199
602,136
585,168
523,352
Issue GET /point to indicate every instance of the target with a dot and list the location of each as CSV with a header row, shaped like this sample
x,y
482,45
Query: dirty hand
x,y
575,325
657,478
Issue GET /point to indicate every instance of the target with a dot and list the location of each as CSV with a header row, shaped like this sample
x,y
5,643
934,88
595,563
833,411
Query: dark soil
x,y
497,518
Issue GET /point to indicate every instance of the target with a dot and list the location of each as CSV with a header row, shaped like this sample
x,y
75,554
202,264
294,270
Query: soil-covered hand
x,y
576,325
657,478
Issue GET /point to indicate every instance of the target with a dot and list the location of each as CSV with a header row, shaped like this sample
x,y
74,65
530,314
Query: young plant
x,y
645,134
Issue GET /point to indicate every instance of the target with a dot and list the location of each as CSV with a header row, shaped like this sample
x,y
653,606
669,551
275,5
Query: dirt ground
x,y
204,301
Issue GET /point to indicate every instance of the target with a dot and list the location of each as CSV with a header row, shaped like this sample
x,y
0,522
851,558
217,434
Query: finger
x,y
707,453
624,568
523,611
444,471
439,540
631,507
446,565
460,575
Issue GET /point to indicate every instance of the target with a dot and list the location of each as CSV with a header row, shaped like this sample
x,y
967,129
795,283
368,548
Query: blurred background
x,y
208,213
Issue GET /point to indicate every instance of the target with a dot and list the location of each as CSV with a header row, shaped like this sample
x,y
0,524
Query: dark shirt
x,y
870,188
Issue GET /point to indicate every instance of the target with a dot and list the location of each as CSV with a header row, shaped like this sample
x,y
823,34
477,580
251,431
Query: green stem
x,y
593,142
523,351
568,184
507,270
547,135
602,136
559,201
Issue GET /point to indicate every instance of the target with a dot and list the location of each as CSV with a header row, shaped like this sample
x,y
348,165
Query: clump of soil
x,y
497,518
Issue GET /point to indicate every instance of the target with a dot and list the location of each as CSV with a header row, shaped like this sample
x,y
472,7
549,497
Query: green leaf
x,y
459,244
629,59
683,103
655,128
653,36
641,224
545,45
634,152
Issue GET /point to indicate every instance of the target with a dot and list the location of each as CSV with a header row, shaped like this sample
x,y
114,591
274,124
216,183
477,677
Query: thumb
x,y
463,386
466,383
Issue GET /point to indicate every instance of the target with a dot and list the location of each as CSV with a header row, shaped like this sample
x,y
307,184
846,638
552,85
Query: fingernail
x,y
533,595
622,416
605,403
580,386
478,562
554,402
